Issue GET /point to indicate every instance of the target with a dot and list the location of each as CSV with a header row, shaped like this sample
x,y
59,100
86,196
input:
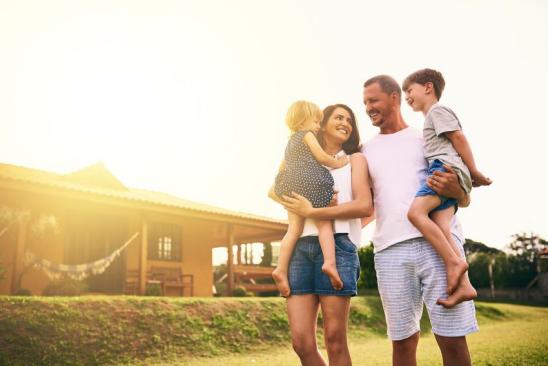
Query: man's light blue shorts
x,y
411,274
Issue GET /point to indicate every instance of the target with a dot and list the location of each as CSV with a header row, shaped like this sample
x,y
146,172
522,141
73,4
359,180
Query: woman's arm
x,y
359,207
320,155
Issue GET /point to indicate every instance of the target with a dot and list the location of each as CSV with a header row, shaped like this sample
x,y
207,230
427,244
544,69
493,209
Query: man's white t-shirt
x,y
397,168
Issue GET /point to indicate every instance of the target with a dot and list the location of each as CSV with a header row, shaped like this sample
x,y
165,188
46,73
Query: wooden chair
x,y
173,278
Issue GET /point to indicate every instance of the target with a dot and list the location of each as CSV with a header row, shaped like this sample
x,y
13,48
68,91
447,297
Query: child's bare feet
x,y
455,270
331,271
464,292
478,179
280,278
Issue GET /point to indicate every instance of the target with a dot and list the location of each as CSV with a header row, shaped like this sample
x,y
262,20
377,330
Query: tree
x,y
266,260
523,262
368,275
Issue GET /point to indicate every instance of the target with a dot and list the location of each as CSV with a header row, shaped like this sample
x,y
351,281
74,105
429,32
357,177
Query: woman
x,y
310,287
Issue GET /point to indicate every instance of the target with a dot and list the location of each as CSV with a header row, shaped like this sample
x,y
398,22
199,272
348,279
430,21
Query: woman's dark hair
x,y
352,145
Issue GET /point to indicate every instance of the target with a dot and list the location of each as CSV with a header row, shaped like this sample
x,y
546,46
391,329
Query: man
x,y
409,271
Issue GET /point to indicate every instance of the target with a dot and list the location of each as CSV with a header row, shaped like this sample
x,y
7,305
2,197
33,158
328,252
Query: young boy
x,y
444,145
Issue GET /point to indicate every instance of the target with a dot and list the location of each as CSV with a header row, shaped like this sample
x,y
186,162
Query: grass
x,y
246,331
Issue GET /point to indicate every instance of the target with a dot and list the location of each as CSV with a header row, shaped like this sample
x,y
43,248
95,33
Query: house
x,y
96,214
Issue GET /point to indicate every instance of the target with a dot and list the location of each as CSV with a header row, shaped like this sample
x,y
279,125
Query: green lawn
x,y
509,335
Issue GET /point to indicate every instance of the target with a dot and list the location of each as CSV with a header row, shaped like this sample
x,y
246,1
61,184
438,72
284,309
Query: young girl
x,y
302,172
444,144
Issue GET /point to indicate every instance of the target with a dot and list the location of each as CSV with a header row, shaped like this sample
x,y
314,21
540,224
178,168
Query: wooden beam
x,y
143,258
230,260
19,254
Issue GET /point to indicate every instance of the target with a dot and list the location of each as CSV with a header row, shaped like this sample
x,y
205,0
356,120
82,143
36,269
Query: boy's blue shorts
x,y
424,190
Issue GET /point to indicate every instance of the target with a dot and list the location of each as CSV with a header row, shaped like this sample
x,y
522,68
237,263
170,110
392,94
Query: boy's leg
x,y
294,231
327,243
464,291
419,216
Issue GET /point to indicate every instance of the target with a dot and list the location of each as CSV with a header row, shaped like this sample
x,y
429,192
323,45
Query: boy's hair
x,y
426,76
300,113
387,84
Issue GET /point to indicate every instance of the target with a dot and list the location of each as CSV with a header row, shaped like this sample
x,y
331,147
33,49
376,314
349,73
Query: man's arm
x,y
447,184
359,207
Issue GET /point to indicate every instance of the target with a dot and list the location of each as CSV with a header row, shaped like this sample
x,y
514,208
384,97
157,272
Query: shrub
x,y
23,292
65,286
153,289
239,292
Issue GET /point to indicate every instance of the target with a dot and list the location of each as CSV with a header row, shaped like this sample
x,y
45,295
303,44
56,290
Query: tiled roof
x,y
96,179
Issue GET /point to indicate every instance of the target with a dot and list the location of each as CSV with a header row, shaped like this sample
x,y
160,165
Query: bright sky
x,y
188,97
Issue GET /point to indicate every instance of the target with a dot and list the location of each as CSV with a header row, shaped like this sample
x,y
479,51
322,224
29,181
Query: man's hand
x,y
297,204
334,200
447,184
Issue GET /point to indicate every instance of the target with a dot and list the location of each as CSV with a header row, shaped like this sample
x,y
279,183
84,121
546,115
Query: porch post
x,y
19,254
143,258
230,260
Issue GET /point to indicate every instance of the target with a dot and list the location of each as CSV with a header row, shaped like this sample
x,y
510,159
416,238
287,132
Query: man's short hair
x,y
387,83
426,76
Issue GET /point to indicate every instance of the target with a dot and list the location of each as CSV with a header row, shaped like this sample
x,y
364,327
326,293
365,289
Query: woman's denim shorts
x,y
305,267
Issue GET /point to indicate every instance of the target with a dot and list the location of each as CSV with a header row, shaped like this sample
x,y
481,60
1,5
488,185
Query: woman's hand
x,y
297,204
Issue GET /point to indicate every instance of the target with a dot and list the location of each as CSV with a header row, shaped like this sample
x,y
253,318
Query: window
x,y
164,242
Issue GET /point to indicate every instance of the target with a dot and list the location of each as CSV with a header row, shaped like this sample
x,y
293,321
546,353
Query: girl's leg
x,y
327,243
464,291
302,313
294,231
335,311
418,215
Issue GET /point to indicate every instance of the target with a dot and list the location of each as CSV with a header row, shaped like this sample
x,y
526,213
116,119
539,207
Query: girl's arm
x,y
359,207
321,156
271,193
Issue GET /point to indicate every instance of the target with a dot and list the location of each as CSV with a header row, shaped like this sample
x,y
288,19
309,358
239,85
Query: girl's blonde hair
x,y
300,113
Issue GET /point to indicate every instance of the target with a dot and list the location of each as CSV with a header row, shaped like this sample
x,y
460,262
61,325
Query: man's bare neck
x,y
393,126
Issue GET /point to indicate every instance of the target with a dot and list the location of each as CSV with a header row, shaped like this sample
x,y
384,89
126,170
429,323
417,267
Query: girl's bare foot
x,y
333,274
464,292
478,179
455,270
280,278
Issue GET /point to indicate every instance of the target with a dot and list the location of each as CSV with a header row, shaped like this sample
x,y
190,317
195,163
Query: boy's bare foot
x,y
333,274
464,292
478,179
280,278
455,270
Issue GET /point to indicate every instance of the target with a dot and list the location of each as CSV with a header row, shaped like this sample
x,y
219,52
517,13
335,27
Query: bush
x,y
23,292
368,276
153,289
239,292
65,286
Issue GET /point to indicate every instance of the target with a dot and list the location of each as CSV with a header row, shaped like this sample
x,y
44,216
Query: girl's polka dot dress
x,y
303,174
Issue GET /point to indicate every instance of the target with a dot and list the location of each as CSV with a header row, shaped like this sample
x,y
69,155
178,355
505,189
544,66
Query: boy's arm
x,y
320,155
461,145
447,184
359,207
